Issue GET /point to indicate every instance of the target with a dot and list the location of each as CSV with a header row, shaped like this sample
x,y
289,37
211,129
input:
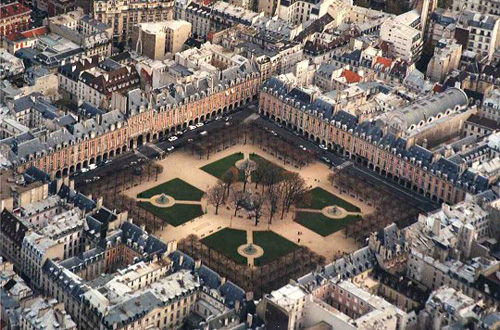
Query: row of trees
x,y
389,208
110,188
259,279
238,132
280,190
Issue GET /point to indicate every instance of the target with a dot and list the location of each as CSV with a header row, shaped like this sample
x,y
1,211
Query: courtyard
x,y
182,190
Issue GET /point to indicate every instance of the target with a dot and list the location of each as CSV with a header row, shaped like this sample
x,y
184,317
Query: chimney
x,y
197,264
249,320
99,201
436,227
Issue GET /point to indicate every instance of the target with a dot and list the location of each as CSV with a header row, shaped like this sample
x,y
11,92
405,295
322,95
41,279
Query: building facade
x,y
400,161
405,38
122,15
15,17
156,39
114,132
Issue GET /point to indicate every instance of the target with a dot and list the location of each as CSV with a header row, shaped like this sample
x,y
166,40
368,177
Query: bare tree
x,y
229,178
273,174
216,195
273,199
294,190
260,172
238,199
257,207
247,167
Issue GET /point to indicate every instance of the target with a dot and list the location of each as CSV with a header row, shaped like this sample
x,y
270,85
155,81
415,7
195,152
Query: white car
x,y
92,166
203,133
303,148
191,127
199,125
172,138
169,149
322,146
84,170
218,118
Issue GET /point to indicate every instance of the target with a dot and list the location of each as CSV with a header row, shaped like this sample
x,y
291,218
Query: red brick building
x,y
429,173
14,17
114,133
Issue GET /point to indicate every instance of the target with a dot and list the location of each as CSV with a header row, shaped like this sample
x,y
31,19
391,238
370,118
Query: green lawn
x,y
321,224
175,215
177,188
321,198
226,242
274,245
221,166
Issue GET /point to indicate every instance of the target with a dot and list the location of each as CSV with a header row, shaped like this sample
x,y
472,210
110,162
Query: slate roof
x,y
342,268
79,200
128,231
13,227
231,293
126,311
209,277
66,279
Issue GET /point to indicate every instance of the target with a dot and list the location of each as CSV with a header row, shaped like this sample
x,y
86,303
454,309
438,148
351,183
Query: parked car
x,y
171,148
84,170
302,147
199,125
108,161
326,160
92,166
191,127
218,118
172,138
203,133
322,146
178,133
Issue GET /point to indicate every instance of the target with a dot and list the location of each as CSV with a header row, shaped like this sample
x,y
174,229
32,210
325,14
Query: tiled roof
x,y
350,76
20,36
13,9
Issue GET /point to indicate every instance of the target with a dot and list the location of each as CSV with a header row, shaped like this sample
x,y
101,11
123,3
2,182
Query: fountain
x,y
334,210
162,200
250,249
